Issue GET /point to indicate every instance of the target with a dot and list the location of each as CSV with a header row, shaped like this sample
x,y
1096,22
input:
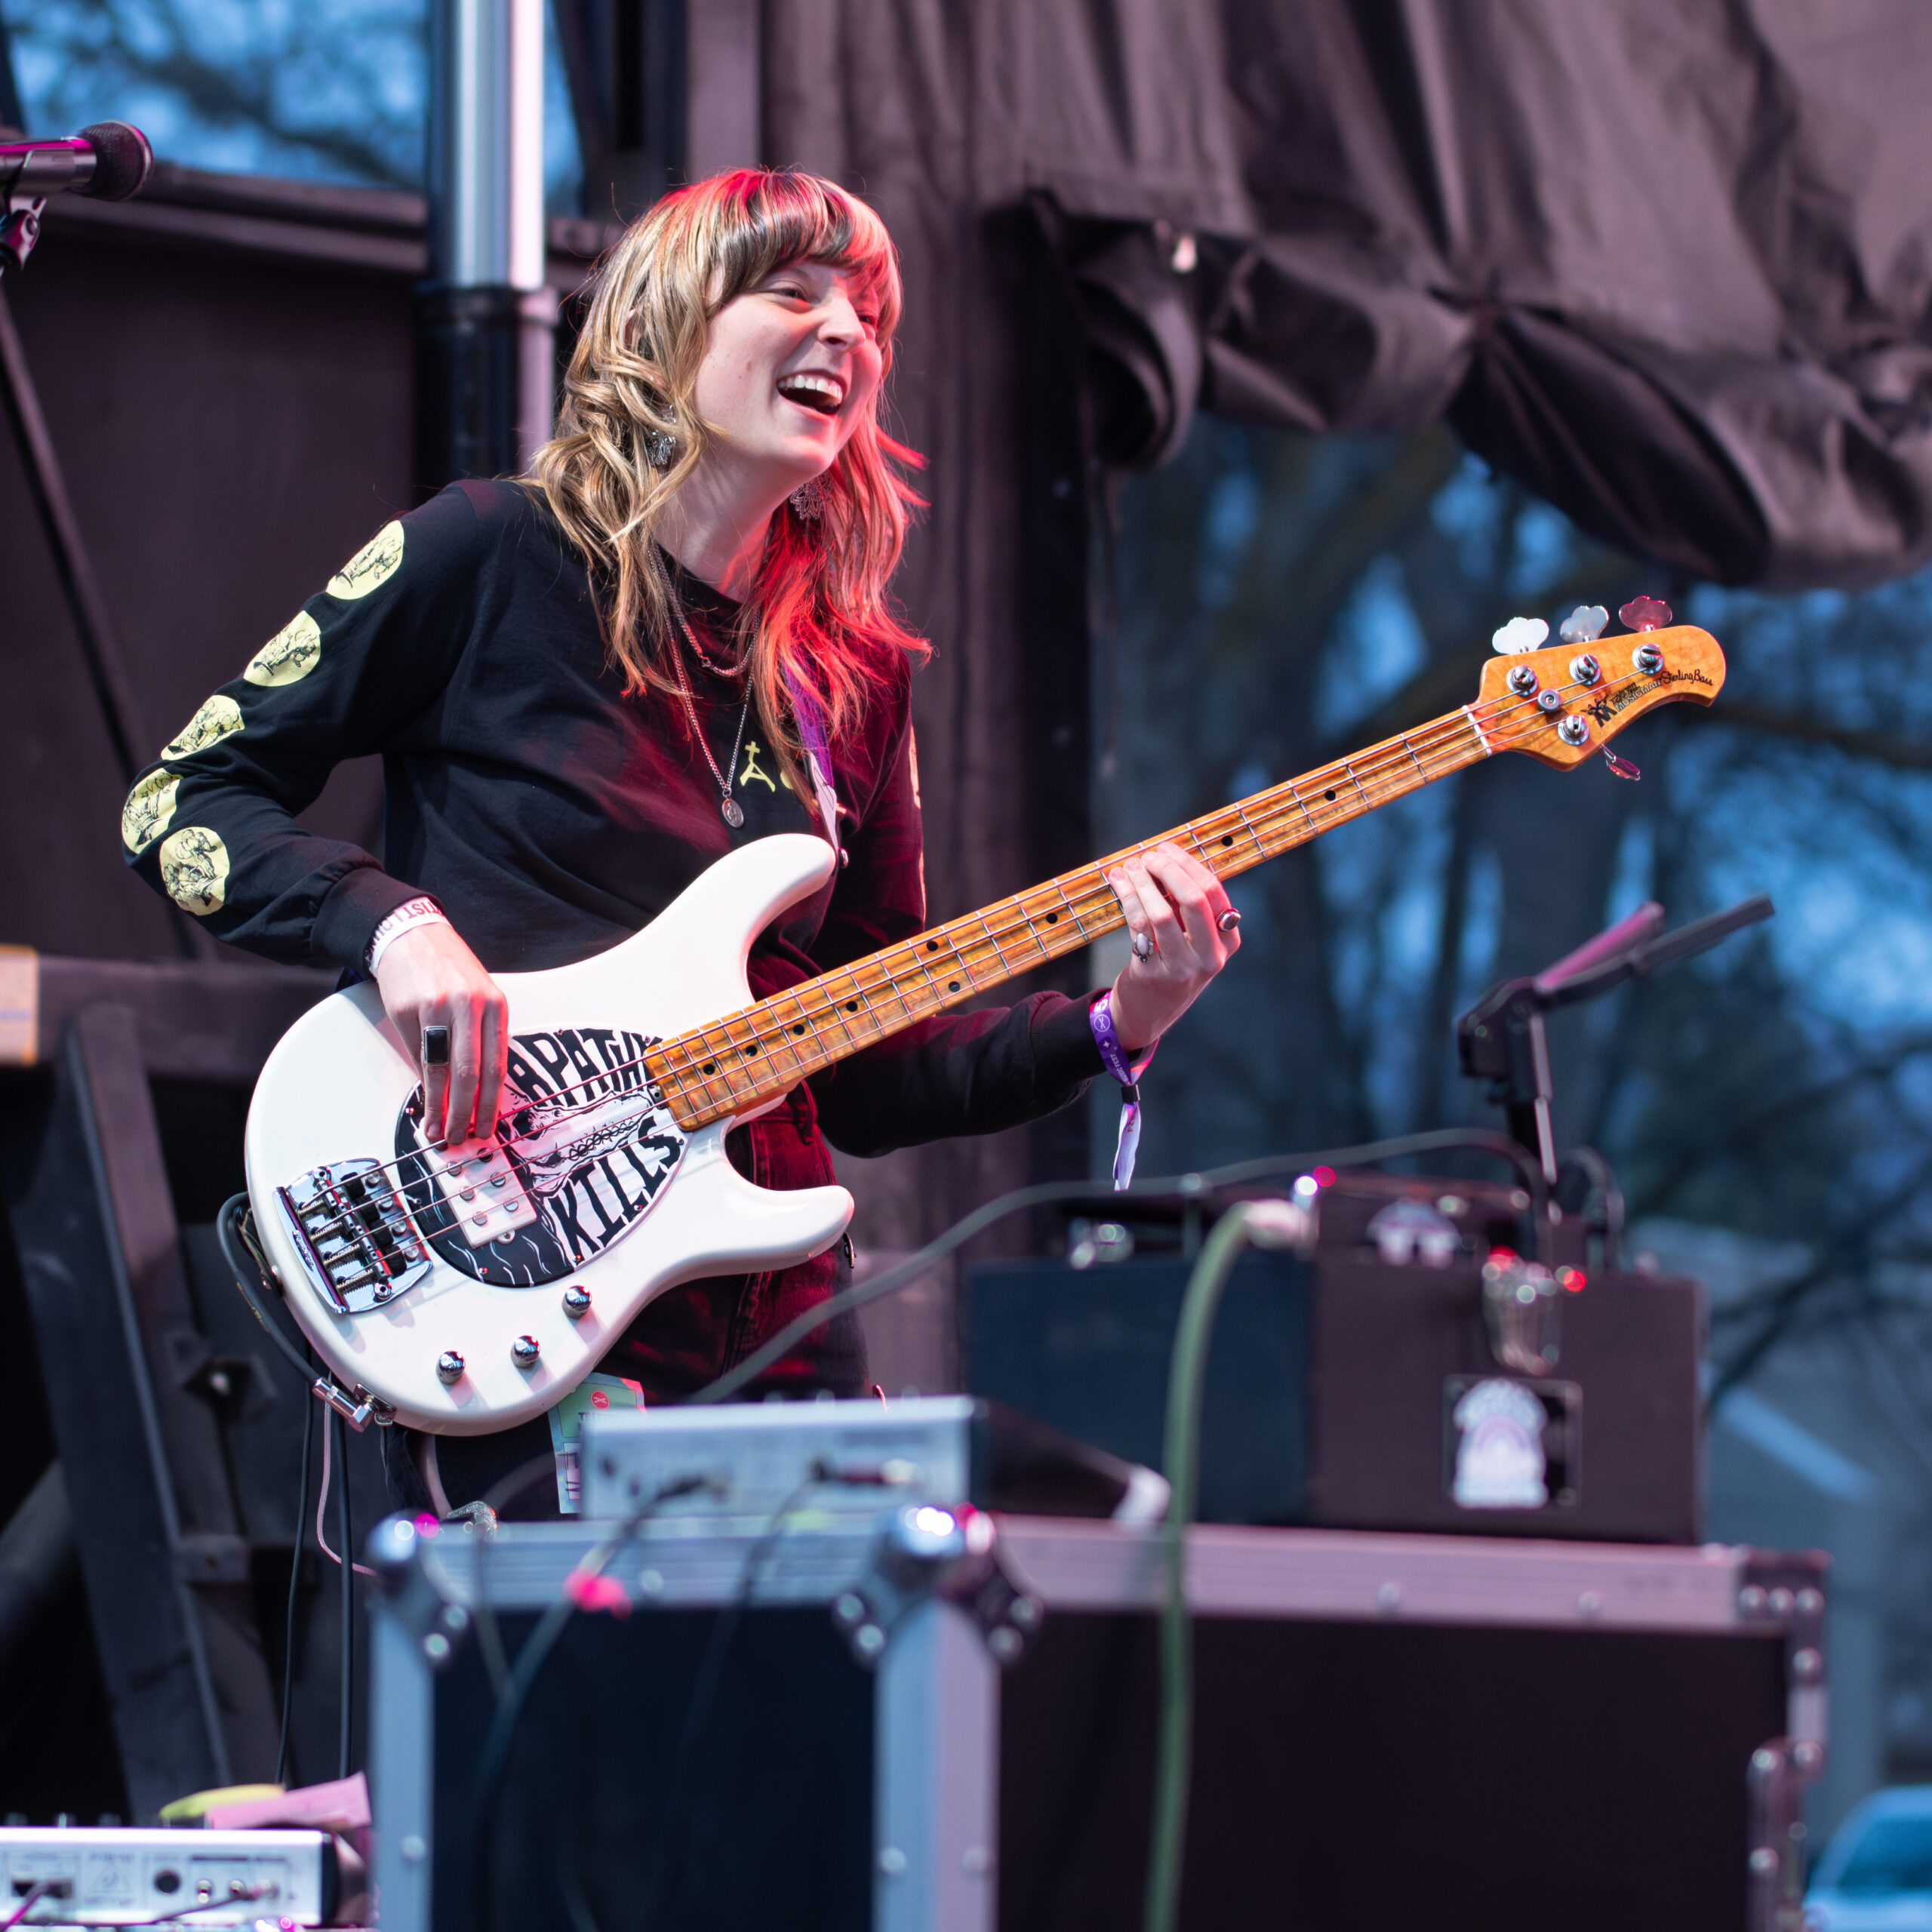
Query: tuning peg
x,y
1622,767
1519,634
1646,614
1585,624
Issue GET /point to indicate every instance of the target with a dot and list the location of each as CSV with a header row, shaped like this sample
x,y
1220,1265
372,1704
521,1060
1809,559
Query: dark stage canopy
x,y
1666,262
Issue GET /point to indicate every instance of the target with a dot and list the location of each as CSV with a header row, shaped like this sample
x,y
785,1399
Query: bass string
x,y
1257,825
681,1059
1438,750
1448,727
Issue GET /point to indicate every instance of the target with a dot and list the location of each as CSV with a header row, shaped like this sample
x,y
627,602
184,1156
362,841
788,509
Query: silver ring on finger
x,y
1143,946
435,1046
1229,921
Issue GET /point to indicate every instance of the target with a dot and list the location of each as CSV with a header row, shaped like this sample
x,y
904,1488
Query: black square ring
x,y
435,1046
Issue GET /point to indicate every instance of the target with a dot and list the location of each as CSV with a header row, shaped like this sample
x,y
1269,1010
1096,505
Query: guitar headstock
x,y
1565,703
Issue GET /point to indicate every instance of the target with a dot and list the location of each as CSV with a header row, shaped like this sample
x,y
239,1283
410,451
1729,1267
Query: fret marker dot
x,y
1227,839
800,1028
851,1006
1330,796
952,985
752,1048
1052,918
709,1066
932,945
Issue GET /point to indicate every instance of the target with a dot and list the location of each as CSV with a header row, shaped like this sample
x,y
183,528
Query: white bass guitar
x,y
464,1289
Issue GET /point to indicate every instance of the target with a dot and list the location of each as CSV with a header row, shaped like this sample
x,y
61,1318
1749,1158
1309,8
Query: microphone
x,y
109,161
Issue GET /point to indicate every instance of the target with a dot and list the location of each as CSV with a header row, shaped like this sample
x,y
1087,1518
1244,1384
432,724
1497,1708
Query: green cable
x,y
1266,1225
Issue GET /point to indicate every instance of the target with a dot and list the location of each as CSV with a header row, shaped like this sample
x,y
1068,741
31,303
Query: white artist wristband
x,y
406,917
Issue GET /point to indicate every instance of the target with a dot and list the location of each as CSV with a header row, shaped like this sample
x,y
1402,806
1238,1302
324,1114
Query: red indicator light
x,y
1574,1279
1325,1176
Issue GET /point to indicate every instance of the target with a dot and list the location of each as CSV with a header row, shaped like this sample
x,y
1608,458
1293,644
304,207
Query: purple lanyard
x,y
818,758
1113,1057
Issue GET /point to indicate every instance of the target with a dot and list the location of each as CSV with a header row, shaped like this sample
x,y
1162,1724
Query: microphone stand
x,y
1501,1038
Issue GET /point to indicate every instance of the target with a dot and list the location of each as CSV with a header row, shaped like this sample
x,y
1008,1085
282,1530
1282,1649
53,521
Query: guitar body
x,y
616,1202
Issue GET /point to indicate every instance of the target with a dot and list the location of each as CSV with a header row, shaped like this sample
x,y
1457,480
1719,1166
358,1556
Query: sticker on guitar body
x,y
587,1141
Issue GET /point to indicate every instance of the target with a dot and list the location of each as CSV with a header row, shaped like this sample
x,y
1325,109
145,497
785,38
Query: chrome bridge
x,y
355,1235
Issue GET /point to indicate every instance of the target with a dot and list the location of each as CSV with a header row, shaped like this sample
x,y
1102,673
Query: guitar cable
x,y
515,1695
238,1252
294,1596
667,1865
1044,1194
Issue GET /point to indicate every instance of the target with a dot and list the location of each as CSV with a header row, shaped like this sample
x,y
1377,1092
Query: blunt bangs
x,y
778,217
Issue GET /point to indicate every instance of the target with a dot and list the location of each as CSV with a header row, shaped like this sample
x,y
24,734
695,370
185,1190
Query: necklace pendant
x,y
734,812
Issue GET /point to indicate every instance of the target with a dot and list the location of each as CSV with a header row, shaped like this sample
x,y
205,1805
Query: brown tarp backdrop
x,y
1668,262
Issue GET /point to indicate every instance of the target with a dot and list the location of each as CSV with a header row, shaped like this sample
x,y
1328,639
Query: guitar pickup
x,y
485,1192
355,1234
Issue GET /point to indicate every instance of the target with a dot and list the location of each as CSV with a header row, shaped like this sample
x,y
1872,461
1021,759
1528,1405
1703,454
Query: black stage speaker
x,y
1087,1351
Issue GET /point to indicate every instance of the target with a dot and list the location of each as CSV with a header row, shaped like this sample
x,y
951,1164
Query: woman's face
x,y
791,368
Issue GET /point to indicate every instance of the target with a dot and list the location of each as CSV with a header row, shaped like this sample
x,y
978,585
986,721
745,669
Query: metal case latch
x,y
923,1550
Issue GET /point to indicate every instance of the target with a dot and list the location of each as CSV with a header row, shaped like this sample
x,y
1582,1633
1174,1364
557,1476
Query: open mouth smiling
x,y
821,394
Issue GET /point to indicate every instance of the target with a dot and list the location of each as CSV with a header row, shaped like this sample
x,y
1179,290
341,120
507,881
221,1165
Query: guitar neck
x,y
760,1052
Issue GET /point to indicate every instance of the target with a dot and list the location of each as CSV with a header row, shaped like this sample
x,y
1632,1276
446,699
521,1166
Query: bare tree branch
x,y
1809,727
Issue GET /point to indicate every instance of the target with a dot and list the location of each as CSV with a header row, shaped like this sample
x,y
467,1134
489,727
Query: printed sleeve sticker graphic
x,y
372,566
220,718
149,808
194,868
290,654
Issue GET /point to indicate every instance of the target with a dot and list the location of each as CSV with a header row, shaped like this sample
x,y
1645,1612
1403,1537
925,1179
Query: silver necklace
x,y
727,672
729,808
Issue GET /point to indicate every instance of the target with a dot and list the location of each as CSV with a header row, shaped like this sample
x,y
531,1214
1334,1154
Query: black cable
x,y
346,1554
1046,1193
666,1864
531,1660
243,1265
507,1490
294,1592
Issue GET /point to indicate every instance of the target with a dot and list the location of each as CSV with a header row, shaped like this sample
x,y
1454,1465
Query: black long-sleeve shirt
x,y
551,815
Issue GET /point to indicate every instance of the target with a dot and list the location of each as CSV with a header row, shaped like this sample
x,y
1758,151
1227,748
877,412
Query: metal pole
x,y
485,319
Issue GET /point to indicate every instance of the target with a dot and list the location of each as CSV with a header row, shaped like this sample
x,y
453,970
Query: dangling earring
x,y
808,501
661,446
